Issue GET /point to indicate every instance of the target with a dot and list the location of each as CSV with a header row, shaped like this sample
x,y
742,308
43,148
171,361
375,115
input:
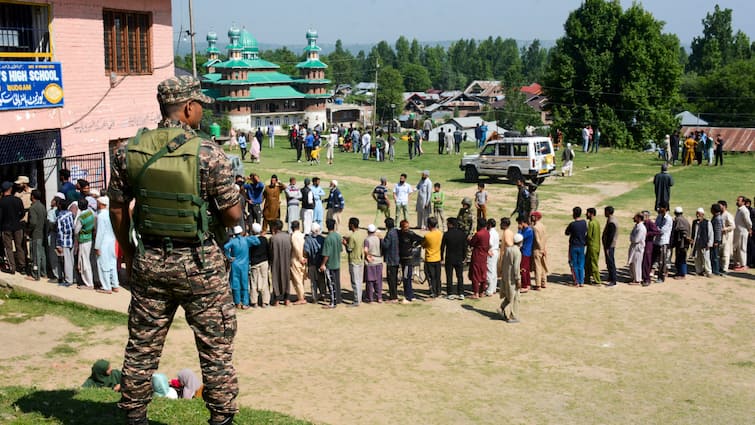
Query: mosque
x,y
251,91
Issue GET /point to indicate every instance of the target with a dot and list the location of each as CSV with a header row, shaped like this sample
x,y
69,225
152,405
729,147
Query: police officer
x,y
173,260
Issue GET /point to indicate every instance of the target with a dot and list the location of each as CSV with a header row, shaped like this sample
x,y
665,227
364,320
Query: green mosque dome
x,y
247,42
311,34
212,36
233,31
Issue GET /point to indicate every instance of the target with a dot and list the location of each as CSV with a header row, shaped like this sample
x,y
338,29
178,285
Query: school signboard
x,y
27,85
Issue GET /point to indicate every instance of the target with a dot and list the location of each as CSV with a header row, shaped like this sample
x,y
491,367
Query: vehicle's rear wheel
x,y
513,174
538,180
470,174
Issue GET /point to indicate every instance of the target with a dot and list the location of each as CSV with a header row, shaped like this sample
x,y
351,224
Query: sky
x,y
369,21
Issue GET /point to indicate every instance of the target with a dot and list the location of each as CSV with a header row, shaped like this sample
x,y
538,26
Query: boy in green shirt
x,y
436,199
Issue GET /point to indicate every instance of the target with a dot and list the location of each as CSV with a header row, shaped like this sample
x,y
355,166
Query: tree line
x,y
614,68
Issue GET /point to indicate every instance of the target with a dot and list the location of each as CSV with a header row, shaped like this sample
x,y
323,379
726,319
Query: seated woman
x,y
103,376
191,386
161,388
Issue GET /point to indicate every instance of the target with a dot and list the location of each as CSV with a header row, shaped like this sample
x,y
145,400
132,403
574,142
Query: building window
x,y
258,122
277,121
25,32
286,120
128,47
257,107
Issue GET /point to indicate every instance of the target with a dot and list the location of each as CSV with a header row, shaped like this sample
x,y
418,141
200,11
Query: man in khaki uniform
x,y
511,280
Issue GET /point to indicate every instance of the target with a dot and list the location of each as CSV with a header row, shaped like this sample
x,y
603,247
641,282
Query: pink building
x,y
76,77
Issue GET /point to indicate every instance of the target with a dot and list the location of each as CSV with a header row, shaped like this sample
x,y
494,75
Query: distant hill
x,y
184,47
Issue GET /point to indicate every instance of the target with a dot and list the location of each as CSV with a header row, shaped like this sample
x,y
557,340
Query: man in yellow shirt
x,y
431,243
689,150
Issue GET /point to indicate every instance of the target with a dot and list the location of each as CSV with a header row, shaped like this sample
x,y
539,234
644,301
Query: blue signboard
x,y
27,85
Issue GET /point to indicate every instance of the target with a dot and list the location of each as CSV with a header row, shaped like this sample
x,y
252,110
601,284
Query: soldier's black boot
x,y
140,421
227,421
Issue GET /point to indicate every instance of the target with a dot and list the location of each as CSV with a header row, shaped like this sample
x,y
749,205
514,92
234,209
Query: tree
x,y
715,47
390,90
340,65
726,96
516,114
617,70
416,77
403,52
533,61
285,58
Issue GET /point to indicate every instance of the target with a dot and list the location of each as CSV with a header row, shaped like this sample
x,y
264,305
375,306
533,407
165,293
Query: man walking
x,y
662,183
511,281
380,196
270,135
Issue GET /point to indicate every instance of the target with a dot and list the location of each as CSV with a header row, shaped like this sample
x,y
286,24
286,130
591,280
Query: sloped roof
x,y
688,118
366,86
488,88
265,93
311,64
532,90
247,63
735,139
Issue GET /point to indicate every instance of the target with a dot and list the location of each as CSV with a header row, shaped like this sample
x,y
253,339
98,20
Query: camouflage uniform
x,y
161,280
466,220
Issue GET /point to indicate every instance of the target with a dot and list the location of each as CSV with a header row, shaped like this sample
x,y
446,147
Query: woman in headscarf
x,y
103,376
191,386
161,387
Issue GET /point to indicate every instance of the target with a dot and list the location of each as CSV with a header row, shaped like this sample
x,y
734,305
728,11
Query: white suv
x,y
513,158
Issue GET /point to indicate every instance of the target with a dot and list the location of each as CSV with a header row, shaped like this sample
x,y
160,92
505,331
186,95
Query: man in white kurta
x,y
104,248
493,252
742,230
424,193
636,249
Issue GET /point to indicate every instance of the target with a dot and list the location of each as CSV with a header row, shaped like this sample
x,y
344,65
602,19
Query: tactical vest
x,y
163,169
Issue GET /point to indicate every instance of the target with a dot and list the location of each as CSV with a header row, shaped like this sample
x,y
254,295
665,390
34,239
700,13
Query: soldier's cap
x,y
466,201
518,238
181,89
22,180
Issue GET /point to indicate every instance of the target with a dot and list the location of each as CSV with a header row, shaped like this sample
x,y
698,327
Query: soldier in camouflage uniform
x,y
190,274
465,218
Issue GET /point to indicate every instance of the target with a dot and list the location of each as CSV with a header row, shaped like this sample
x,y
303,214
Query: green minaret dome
x,y
212,36
311,34
233,31
248,43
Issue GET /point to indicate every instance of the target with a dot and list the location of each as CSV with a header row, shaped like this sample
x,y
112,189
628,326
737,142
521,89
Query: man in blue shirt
x,y
237,251
254,192
529,237
577,233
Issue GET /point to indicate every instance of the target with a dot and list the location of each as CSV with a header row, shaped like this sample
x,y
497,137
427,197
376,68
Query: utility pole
x,y
374,99
193,45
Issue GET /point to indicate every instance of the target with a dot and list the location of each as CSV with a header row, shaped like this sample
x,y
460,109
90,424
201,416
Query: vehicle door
x,y
520,157
545,160
487,159
503,158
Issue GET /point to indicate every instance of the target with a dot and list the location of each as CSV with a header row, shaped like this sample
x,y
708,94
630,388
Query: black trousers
x,y
441,146
610,264
719,157
459,270
393,282
333,279
432,270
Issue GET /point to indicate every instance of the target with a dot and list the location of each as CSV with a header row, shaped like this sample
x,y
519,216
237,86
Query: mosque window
x,y
25,31
128,47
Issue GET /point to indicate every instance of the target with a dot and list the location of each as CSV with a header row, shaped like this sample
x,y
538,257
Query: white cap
x,y
60,195
256,228
94,193
237,230
104,200
678,210
568,145
371,228
334,182
701,211
315,228
518,238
